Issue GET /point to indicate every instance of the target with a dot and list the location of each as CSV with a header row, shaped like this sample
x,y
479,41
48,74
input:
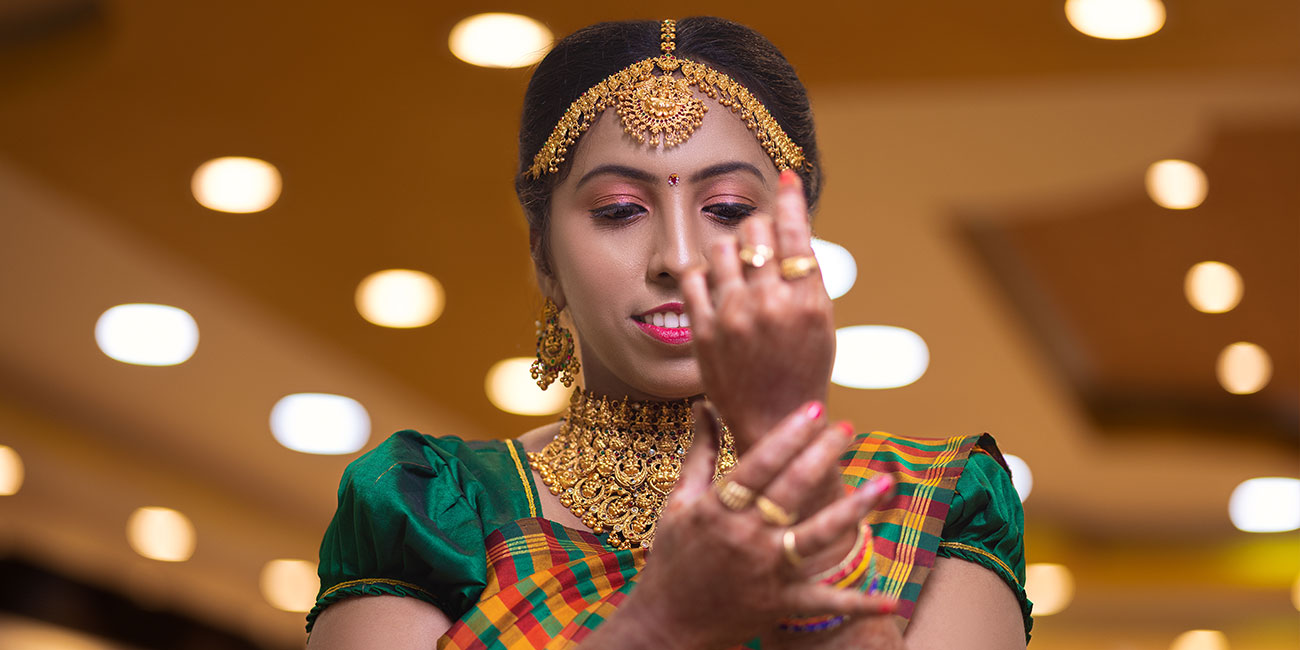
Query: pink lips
x,y
669,335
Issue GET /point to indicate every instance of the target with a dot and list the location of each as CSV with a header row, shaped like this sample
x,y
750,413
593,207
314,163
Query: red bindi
x,y
673,179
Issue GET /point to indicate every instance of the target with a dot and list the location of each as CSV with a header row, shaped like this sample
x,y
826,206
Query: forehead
x,y
721,137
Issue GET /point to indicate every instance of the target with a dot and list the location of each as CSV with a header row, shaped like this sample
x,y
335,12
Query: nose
x,y
677,246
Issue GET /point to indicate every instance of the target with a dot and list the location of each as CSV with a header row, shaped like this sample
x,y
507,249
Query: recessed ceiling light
x,y
161,534
1269,504
400,298
1176,184
511,388
1050,587
290,585
878,356
320,423
1244,368
1021,478
11,471
1212,287
236,184
147,335
1116,19
839,269
1198,640
499,40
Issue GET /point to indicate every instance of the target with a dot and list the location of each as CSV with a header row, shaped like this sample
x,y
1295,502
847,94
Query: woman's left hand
x,y
764,339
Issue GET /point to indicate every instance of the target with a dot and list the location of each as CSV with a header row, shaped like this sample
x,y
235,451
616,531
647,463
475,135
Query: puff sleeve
x,y
410,522
985,525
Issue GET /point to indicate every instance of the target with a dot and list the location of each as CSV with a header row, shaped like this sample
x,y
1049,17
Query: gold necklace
x,y
614,462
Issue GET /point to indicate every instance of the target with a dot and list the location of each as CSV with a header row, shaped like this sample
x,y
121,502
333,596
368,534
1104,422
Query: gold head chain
x,y
661,109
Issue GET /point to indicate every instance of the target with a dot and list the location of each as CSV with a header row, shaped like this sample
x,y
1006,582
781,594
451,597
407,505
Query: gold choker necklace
x,y
614,462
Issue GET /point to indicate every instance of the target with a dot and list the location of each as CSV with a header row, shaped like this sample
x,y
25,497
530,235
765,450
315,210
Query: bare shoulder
x,y
959,598
378,622
538,438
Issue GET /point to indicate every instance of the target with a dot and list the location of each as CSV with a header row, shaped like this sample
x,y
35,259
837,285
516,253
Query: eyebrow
x,y
726,168
617,170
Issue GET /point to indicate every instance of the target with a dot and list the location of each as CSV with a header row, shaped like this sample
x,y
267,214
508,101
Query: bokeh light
x,y
1176,184
1269,504
1021,478
500,40
1213,287
236,184
147,335
878,356
1116,19
1050,587
161,534
1200,640
289,584
320,423
11,471
1244,368
511,388
400,298
839,269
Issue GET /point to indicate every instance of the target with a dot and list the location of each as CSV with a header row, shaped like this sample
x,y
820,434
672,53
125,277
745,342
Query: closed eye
x,y
617,211
729,212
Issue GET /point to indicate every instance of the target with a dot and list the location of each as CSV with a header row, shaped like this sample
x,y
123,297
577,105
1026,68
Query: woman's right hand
x,y
718,577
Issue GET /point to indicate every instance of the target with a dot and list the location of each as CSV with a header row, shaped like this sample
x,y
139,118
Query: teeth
x,y
670,320
657,319
685,321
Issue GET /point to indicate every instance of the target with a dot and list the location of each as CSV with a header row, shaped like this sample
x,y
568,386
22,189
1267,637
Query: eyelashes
x,y
723,212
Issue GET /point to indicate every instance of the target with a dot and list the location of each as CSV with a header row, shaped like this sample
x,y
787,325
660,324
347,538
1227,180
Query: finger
x,y
797,483
699,306
724,262
775,449
756,237
793,231
812,599
830,523
700,462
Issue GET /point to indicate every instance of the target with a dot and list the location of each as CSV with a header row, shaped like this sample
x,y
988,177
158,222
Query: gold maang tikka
x,y
614,462
661,109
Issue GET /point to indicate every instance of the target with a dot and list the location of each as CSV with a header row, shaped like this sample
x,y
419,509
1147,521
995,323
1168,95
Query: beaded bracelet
x,y
813,624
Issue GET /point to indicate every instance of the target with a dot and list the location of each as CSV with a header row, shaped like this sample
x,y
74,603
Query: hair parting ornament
x,y
661,109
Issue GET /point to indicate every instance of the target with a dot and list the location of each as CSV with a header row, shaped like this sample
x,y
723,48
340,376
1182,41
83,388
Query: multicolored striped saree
x,y
549,586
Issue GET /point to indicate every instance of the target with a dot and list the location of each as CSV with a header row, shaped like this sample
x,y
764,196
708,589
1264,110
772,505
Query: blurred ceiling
x,y
985,166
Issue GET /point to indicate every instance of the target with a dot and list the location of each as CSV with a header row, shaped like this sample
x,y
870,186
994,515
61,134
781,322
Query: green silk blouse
x,y
413,515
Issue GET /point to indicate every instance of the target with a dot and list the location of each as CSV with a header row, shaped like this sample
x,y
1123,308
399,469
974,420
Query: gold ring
x,y
734,495
773,513
790,546
798,267
756,256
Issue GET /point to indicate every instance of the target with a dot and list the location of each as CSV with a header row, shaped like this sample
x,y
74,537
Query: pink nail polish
x,y
846,427
814,410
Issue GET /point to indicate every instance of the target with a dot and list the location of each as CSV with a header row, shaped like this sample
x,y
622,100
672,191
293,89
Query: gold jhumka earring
x,y
555,350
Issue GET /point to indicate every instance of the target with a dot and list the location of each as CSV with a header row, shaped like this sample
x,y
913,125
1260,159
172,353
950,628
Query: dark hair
x,y
587,56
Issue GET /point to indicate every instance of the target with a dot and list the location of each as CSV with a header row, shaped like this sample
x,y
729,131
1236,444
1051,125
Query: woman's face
x,y
622,233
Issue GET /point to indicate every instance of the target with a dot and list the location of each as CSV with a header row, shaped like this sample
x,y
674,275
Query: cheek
x,y
595,268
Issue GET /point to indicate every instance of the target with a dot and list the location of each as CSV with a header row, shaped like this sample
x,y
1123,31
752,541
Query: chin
x,y
671,381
